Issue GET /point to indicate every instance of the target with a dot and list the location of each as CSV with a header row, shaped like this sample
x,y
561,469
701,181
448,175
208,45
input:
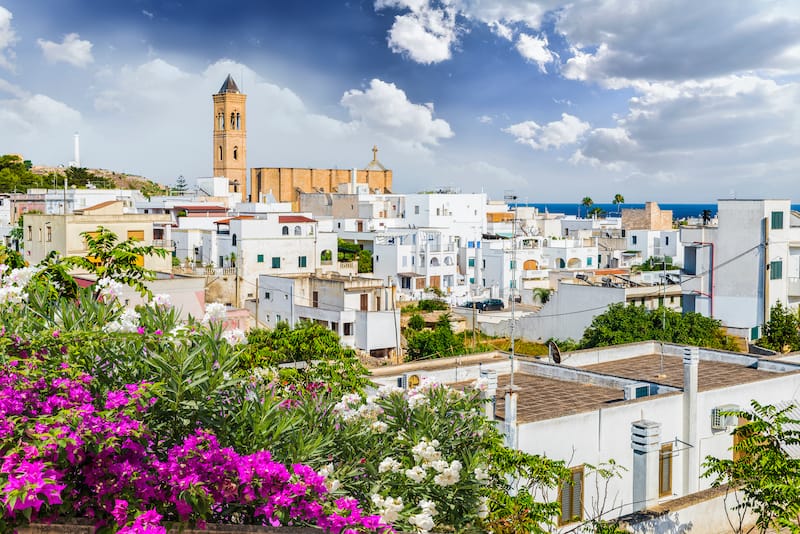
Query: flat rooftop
x,y
668,370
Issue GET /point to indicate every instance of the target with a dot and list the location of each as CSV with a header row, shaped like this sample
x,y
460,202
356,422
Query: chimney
x,y
490,393
510,416
691,466
645,442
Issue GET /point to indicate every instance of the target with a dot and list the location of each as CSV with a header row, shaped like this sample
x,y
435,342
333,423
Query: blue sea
x,y
679,211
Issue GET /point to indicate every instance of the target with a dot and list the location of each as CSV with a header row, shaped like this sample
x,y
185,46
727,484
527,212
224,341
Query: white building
x,y
360,310
655,410
79,199
736,272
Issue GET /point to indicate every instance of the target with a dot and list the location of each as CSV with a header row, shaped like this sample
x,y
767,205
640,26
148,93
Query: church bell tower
x,y
230,137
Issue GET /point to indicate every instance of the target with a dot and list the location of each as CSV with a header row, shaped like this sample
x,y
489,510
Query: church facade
x,y
283,183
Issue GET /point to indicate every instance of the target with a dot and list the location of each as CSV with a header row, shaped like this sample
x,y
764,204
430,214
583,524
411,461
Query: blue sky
x,y
668,100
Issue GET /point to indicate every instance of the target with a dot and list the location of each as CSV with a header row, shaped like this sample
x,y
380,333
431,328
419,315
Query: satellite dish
x,y
413,381
555,352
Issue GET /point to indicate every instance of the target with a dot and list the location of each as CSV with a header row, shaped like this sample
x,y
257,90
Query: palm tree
x,y
618,200
587,203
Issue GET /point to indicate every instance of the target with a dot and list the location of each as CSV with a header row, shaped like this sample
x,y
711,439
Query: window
x,y
589,261
276,262
571,497
472,280
285,230
267,295
315,299
233,120
49,233
470,244
511,265
298,230
666,240
633,239
471,262
777,220
233,240
775,270
238,122
364,302
219,150
301,261
236,152
335,326
416,210
665,471
221,261
348,329
260,258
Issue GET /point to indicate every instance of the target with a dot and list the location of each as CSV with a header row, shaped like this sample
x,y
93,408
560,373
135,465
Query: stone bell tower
x,y
230,136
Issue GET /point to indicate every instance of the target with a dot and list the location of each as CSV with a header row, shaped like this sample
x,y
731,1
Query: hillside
x,y
113,179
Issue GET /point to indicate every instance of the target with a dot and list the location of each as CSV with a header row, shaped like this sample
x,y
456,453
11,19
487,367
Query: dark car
x,y
490,305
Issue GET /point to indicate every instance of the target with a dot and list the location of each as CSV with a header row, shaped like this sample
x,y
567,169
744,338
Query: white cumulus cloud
x,y
426,34
554,134
535,49
385,108
72,49
7,38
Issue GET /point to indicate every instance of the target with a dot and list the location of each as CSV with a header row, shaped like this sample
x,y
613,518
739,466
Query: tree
x,y
766,474
434,343
181,186
122,261
781,331
597,211
543,294
81,177
618,201
587,203
629,324
365,261
416,322
706,215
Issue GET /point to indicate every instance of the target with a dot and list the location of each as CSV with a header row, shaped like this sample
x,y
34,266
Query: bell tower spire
x,y
230,136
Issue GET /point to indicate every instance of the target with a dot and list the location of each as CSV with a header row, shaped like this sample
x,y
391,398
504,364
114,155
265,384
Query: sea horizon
x,y
680,210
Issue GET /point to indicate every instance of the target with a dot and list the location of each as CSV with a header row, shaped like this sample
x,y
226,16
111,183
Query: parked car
x,y
491,305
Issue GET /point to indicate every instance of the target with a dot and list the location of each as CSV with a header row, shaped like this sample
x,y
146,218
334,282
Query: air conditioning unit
x,y
724,422
636,391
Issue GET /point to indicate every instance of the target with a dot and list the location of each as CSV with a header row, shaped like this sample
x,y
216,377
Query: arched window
x,y
236,152
530,265
238,122
220,152
448,260
574,263
561,263
285,230
221,121
434,262
233,120
233,240
298,230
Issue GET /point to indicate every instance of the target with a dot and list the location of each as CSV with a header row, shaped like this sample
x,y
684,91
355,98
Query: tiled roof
x,y
101,205
229,219
668,370
294,219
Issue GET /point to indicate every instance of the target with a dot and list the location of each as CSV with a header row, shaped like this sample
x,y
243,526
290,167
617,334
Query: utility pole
x,y
258,297
511,197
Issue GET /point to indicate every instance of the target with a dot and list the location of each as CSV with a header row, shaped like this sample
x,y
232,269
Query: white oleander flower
x,y
483,508
481,475
379,427
389,508
426,451
416,473
12,295
109,289
389,464
387,390
161,300
215,311
234,337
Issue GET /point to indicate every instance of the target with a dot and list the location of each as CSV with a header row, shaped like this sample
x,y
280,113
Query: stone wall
x,y
649,218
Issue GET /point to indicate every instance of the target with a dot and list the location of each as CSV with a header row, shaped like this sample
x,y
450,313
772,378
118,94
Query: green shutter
x,y
777,220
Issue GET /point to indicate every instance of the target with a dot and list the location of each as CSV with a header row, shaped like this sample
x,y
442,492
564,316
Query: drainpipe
x,y
691,469
765,224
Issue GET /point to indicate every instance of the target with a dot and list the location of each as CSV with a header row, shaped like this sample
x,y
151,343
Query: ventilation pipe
x,y
691,468
77,149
